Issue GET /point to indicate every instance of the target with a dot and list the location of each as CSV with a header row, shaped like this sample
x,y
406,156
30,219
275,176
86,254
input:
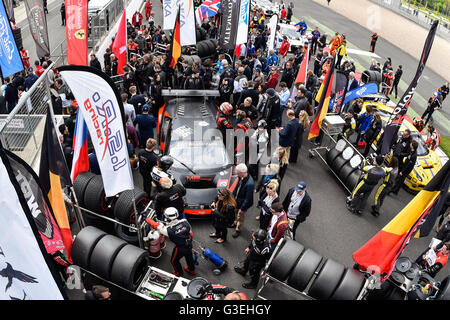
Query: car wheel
x,y
338,163
350,286
331,156
304,270
345,172
79,185
327,280
84,244
130,266
124,207
353,179
285,260
95,197
103,255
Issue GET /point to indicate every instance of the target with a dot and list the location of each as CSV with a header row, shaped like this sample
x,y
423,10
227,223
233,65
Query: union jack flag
x,y
208,8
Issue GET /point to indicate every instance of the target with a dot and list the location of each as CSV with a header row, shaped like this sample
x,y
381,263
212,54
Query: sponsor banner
x,y
38,26
27,272
10,9
170,9
187,23
10,60
370,88
273,22
77,31
242,31
340,89
229,24
103,113
119,46
396,119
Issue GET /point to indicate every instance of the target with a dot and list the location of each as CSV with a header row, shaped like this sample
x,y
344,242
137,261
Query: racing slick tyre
x,y
124,208
331,156
201,49
353,179
304,270
370,76
95,197
350,286
173,296
285,260
84,244
200,34
212,47
345,172
103,255
444,290
327,280
126,234
80,184
129,267
338,163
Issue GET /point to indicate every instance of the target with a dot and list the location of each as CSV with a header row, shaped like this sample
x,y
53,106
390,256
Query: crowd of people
x,y
255,93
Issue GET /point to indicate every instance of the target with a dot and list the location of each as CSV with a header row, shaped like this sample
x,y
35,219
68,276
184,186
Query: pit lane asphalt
x,y
330,230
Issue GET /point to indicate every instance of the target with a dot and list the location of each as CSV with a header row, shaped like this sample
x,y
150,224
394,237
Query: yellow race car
x,y
428,162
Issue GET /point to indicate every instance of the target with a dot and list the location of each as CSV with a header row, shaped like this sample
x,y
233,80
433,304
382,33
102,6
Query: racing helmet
x,y
165,163
262,123
260,236
226,108
171,213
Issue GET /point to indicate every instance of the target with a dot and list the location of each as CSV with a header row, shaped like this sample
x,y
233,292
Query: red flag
x,y
119,46
303,70
324,103
77,31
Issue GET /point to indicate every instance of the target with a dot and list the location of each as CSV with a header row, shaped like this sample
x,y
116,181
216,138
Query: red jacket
x,y
284,49
279,229
283,13
39,71
272,81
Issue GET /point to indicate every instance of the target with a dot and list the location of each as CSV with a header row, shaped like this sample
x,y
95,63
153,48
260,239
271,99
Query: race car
x,y
428,162
269,8
294,37
187,132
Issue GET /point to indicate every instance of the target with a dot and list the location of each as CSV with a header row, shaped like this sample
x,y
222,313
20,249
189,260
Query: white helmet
x,y
171,213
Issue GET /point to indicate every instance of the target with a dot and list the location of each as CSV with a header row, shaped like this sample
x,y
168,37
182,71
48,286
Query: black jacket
x,y
408,165
373,131
259,252
147,160
272,111
300,104
288,77
95,64
172,197
244,197
223,217
251,111
304,208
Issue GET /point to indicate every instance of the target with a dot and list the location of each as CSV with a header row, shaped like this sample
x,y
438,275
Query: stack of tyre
x,y
207,48
91,195
371,76
310,273
345,162
110,257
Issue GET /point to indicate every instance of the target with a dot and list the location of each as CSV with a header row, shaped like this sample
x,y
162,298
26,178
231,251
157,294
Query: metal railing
x,y
21,131
102,21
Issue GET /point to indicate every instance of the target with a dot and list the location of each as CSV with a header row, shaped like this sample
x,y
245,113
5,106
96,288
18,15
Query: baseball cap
x,y
300,186
271,92
145,107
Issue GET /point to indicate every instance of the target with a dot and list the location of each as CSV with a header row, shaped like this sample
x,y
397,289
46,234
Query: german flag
x,y
387,245
176,44
323,104
54,176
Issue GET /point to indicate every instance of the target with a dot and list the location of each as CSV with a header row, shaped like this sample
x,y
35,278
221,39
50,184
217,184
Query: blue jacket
x,y
365,121
353,85
30,80
146,123
244,198
288,133
271,61
303,25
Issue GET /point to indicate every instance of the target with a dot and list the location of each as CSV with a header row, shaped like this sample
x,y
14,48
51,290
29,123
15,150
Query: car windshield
x,y
199,155
421,149
290,33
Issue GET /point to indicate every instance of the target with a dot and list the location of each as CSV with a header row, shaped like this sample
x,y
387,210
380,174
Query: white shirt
x,y
129,110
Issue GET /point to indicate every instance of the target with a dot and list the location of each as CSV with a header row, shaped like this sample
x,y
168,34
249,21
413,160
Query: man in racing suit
x,y
223,121
243,124
383,190
170,196
161,171
434,139
180,233
371,176
258,252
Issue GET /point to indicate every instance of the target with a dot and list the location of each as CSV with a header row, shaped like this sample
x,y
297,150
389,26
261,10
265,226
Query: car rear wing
x,y
190,93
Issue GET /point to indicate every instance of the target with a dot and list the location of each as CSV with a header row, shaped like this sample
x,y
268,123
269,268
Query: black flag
x,y
38,26
396,119
229,23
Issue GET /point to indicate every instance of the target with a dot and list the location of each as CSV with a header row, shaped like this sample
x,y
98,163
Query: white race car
x,y
294,37
269,8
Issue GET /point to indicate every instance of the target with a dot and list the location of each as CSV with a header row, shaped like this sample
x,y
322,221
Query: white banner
x,y
101,111
170,8
187,23
242,32
187,19
273,22
24,273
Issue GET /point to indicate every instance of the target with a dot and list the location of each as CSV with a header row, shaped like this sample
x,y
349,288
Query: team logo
x,y
80,34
